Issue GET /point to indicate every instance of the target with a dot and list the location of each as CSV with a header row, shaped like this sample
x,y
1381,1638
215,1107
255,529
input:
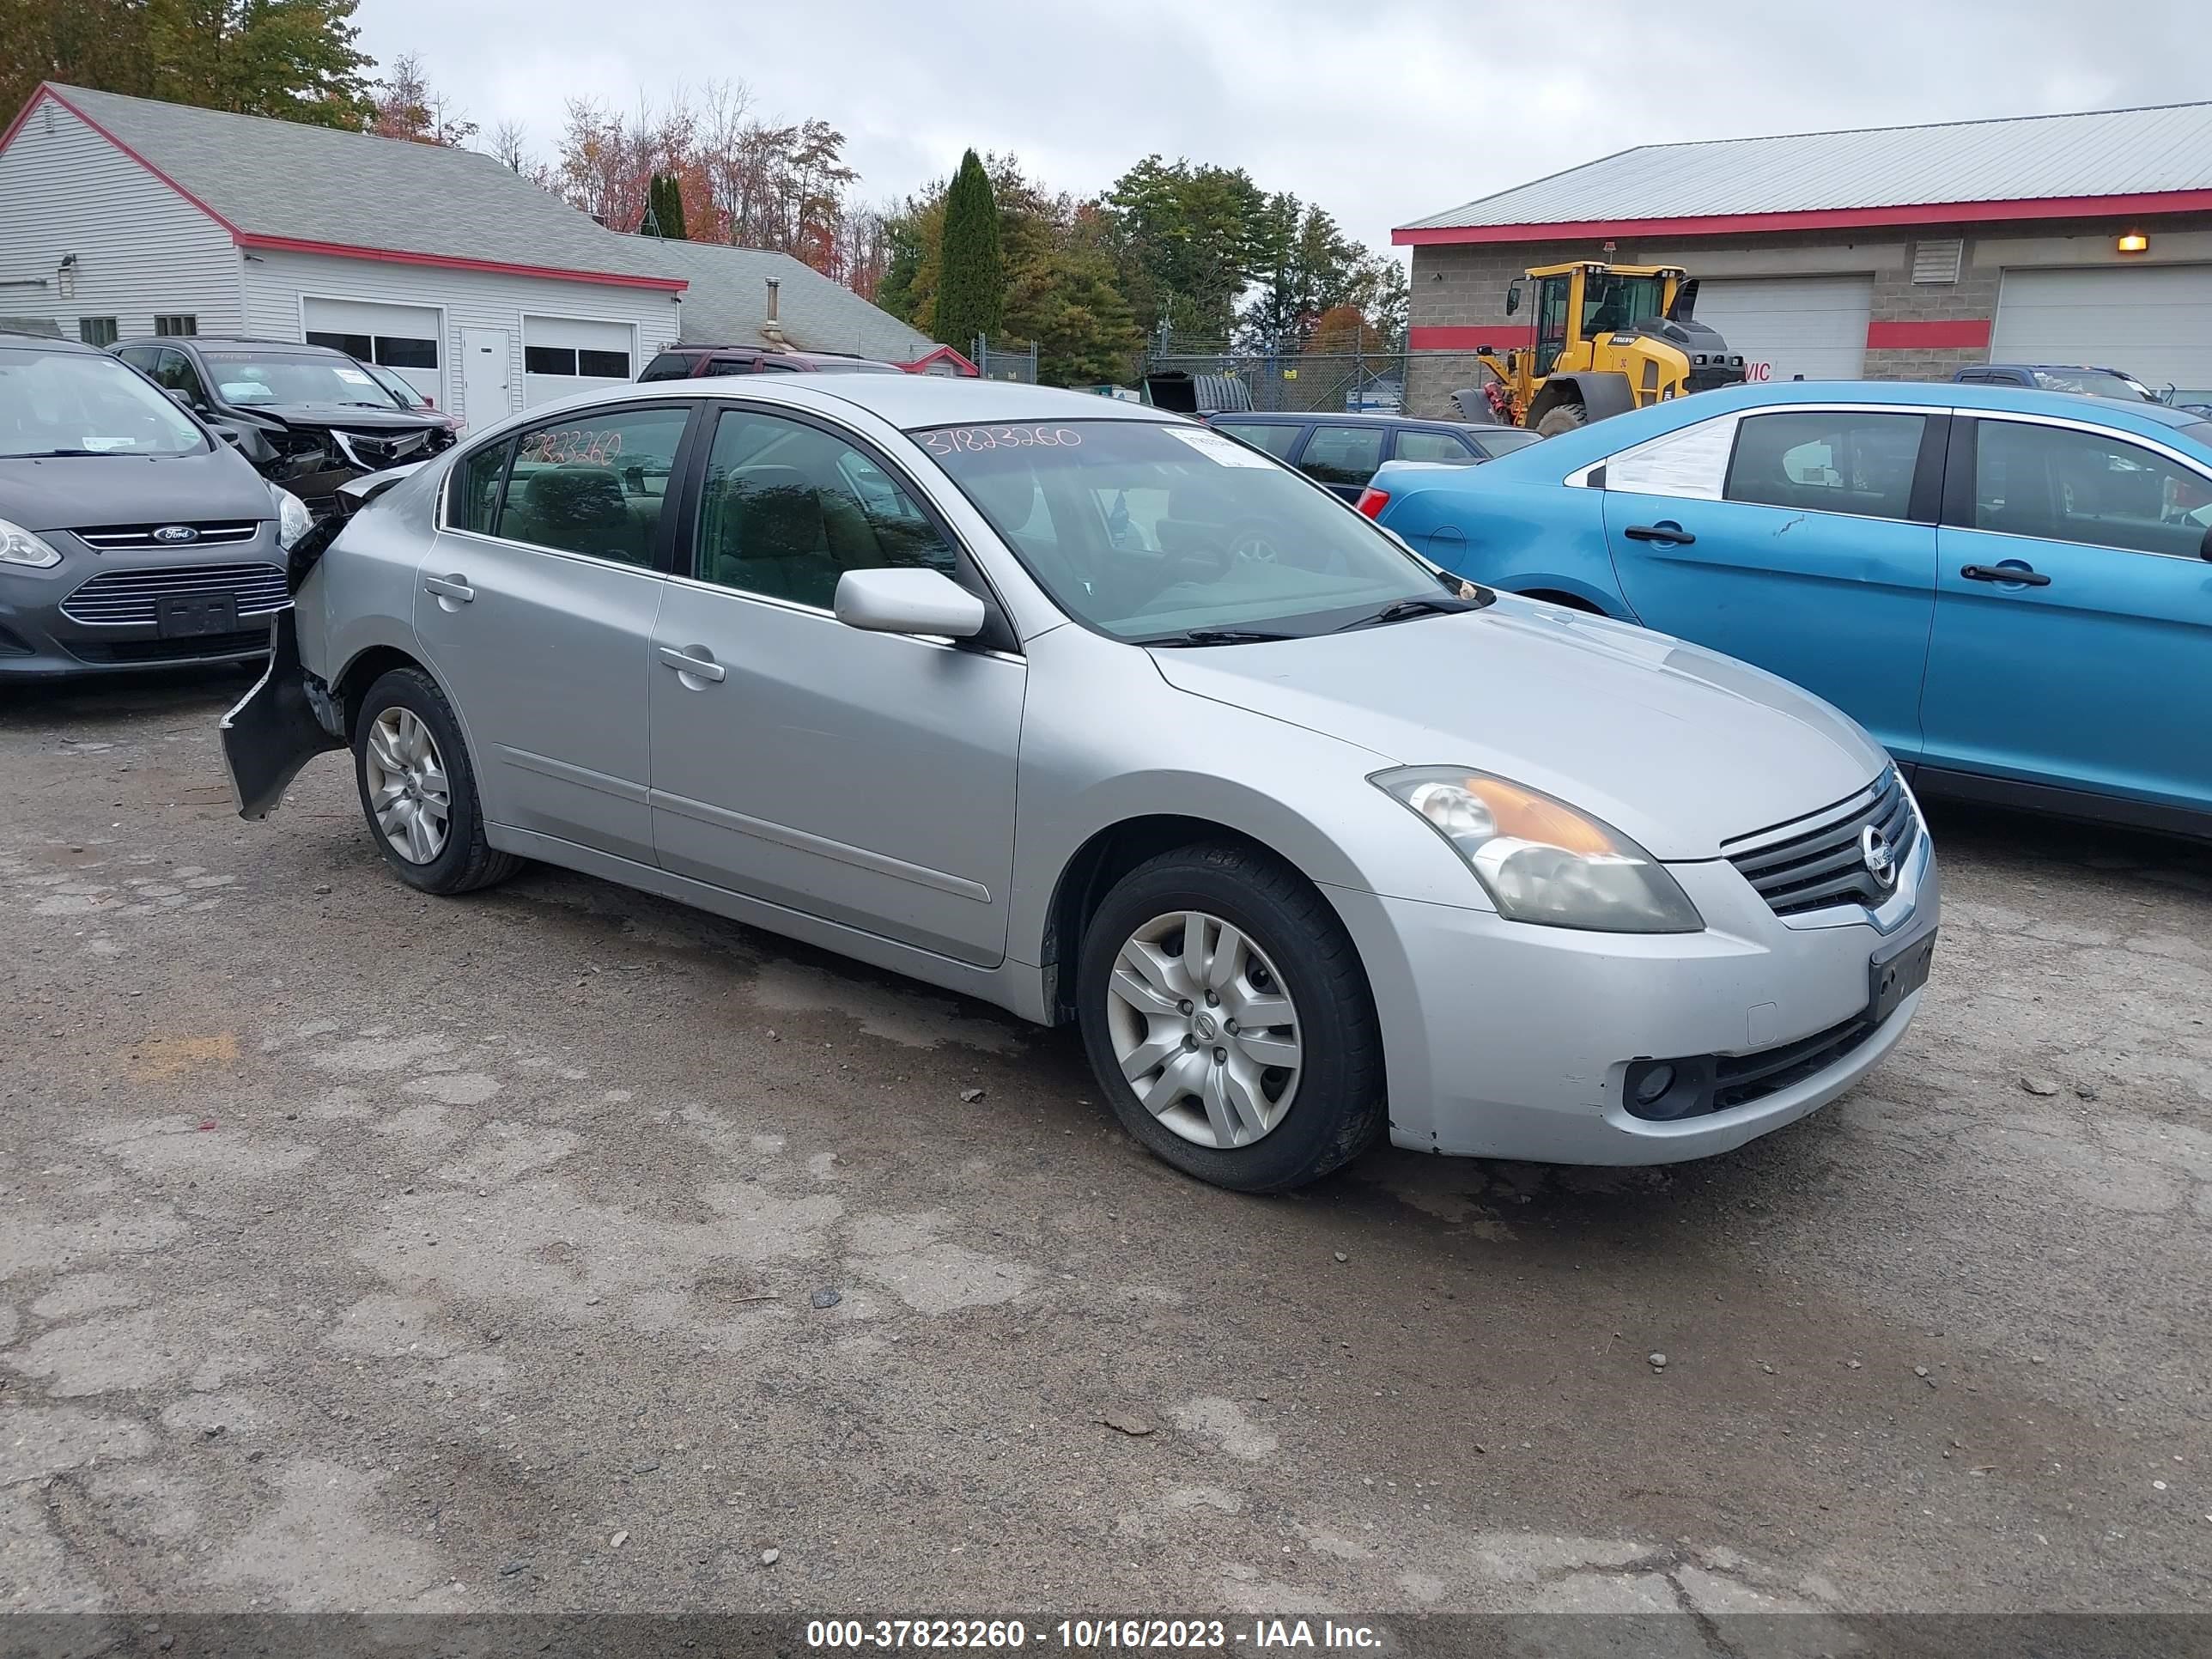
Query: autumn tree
x,y
1185,238
407,107
971,289
293,59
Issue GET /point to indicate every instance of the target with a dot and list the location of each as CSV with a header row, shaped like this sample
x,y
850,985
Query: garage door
x,y
566,354
1788,327
403,338
2155,322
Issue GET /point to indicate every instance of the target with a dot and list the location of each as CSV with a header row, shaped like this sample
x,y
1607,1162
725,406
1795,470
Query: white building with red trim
x,y
1897,253
124,216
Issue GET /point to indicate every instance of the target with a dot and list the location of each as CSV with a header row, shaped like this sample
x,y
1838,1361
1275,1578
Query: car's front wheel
x,y
1224,1010
418,789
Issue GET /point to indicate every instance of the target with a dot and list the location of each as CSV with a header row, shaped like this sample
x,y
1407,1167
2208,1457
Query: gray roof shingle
x,y
290,182
728,303
2102,153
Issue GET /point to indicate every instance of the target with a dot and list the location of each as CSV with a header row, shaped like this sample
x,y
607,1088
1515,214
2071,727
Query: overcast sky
x,y
1382,111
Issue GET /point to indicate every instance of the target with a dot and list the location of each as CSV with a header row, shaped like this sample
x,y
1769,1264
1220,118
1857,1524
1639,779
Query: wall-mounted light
x,y
2133,242
67,274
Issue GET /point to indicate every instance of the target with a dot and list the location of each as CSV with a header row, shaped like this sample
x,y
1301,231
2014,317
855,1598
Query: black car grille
x,y
129,599
143,537
1820,860
206,646
1739,1079
378,449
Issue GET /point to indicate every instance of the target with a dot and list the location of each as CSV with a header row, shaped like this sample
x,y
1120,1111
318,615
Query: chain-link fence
x,y
1006,360
1300,382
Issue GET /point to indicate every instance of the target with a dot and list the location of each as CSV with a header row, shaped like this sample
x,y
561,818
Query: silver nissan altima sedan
x,y
1089,712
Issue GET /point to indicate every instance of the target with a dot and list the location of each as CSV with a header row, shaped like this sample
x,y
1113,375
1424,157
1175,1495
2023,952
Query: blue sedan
x,y
2010,589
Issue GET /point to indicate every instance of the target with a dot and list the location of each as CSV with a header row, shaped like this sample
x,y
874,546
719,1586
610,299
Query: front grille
x,y
1819,861
1739,1079
199,650
131,598
140,538
377,450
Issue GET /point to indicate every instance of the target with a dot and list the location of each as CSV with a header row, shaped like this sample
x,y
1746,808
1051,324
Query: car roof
x,y
1334,417
907,401
1940,394
13,340
304,348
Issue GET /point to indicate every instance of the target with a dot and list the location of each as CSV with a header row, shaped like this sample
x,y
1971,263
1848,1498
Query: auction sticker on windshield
x,y
1215,448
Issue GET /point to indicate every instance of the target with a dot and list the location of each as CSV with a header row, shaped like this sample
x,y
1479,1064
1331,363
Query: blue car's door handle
x,y
2019,574
1665,530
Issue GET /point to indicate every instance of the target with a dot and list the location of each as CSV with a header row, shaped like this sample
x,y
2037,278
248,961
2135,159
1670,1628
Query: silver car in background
x,y
1077,707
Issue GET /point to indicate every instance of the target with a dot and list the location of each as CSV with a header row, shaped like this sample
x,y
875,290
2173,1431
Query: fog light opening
x,y
1653,1085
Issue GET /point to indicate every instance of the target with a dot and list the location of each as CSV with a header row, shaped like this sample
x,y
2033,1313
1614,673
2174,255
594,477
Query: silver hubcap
x,y
407,788
1204,1029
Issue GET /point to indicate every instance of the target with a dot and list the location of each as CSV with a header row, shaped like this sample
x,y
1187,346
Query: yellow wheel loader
x,y
1608,338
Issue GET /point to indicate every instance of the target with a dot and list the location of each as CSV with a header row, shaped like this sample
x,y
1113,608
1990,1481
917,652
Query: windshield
x,y
242,376
2093,382
1610,301
70,403
1145,529
403,392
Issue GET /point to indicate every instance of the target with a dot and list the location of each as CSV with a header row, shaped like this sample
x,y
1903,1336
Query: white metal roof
x,y
2102,153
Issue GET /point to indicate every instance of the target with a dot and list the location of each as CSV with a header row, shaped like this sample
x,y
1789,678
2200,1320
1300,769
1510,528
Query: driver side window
x,y
175,373
787,508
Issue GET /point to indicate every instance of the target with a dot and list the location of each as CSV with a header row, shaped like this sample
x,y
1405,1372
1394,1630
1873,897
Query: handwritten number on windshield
x,y
971,440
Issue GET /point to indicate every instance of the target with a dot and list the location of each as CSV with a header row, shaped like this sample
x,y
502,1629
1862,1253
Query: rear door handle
x,y
449,588
702,668
1665,531
2019,574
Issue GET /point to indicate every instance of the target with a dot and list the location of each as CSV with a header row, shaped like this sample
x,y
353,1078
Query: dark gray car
x,y
129,536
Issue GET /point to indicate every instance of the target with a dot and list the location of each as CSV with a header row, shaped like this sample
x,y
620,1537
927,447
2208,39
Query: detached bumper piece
x,y
277,727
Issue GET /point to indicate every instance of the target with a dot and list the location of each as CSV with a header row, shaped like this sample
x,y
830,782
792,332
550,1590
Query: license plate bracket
x,y
195,616
1895,974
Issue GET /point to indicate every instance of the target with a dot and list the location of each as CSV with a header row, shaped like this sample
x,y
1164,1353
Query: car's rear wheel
x,y
418,790
1224,1012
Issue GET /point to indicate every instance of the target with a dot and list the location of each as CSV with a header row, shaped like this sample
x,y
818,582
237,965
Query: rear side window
x,y
1433,446
1277,438
2058,485
668,366
1342,454
473,500
593,481
1852,461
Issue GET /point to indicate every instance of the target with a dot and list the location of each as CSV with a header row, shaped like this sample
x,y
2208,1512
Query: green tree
x,y
1304,266
1185,238
295,59
971,288
663,208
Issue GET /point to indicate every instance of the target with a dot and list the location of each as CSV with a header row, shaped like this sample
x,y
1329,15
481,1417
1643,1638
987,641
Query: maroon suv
x,y
682,362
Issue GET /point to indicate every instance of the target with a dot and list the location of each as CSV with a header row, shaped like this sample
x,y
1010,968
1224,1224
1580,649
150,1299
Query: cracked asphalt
x,y
365,1251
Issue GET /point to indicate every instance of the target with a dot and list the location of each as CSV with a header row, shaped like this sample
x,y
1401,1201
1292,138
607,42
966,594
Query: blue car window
x,y
1854,461
2056,483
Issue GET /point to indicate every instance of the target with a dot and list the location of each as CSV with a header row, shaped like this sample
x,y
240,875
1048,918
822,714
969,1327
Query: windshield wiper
x,y
1216,636
1405,608
50,454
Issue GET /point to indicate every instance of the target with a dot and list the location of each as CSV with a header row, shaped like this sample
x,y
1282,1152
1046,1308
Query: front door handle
x,y
2019,574
1666,531
455,587
699,667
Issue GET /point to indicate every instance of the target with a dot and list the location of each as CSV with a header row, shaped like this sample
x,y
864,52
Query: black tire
x,y
466,861
1340,1107
1563,418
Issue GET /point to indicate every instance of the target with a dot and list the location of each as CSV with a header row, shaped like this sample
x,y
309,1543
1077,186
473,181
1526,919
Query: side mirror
x,y
1512,298
908,601
228,434
178,397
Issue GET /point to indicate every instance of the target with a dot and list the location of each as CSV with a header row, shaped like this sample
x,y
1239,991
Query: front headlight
x,y
19,546
1539,860
293,518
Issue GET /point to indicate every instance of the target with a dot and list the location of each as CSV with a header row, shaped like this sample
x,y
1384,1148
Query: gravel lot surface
x,y
560,1248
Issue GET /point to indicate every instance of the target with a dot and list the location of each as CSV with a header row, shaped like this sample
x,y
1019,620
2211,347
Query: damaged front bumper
x,y
288,718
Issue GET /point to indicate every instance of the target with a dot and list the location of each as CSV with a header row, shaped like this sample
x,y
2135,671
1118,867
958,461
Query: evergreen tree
x,y
971,288
663,208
